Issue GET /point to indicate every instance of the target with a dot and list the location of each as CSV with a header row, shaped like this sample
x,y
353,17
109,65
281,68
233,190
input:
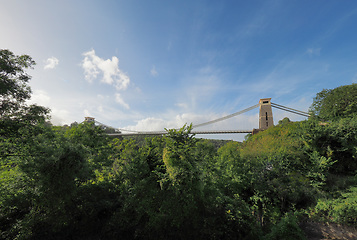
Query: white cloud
x,y
40,97
51,63
153,72
90,69
111,74
149,124
313,51
182,105
60,116
120,100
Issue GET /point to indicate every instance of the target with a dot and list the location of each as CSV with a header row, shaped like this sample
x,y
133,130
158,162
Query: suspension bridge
x,y
265,121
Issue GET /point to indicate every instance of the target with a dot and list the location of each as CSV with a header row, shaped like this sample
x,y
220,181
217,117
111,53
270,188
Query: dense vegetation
x,y
77,183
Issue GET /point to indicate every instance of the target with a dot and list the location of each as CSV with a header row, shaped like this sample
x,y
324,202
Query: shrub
x,y
286,229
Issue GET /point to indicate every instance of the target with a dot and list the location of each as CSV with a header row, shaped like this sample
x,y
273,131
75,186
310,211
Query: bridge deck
x,y
193,132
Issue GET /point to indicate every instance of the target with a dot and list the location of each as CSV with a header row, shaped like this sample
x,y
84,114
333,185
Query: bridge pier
x,y
265,114
89,119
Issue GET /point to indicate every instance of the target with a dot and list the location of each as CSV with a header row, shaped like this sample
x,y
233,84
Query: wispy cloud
x,y
51,63
153,72
121,101
313,51
201,86
109,68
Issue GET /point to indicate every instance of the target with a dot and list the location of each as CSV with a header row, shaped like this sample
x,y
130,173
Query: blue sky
x,y
149,65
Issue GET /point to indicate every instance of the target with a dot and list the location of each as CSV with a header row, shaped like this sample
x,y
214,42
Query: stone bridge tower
x,y
265,114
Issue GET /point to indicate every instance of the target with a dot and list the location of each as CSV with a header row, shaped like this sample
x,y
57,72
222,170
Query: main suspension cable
x,y
298,112
306,113
194,126
226,117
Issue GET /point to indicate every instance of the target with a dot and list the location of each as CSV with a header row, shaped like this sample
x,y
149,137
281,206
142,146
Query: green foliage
x,y
18,122
336,141
281,174
14,91
282,139
333,104
345,209
335,183
340,210
178,157
56,183
284,121
235,174
287,229
13,79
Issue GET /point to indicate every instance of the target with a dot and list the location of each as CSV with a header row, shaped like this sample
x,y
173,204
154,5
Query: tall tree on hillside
x,y
14,92
17,119
332,104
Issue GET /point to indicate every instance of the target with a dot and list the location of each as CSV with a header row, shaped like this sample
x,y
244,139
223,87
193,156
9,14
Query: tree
x,y
17,119
281,173
336,141
14,90
19,126
332,104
